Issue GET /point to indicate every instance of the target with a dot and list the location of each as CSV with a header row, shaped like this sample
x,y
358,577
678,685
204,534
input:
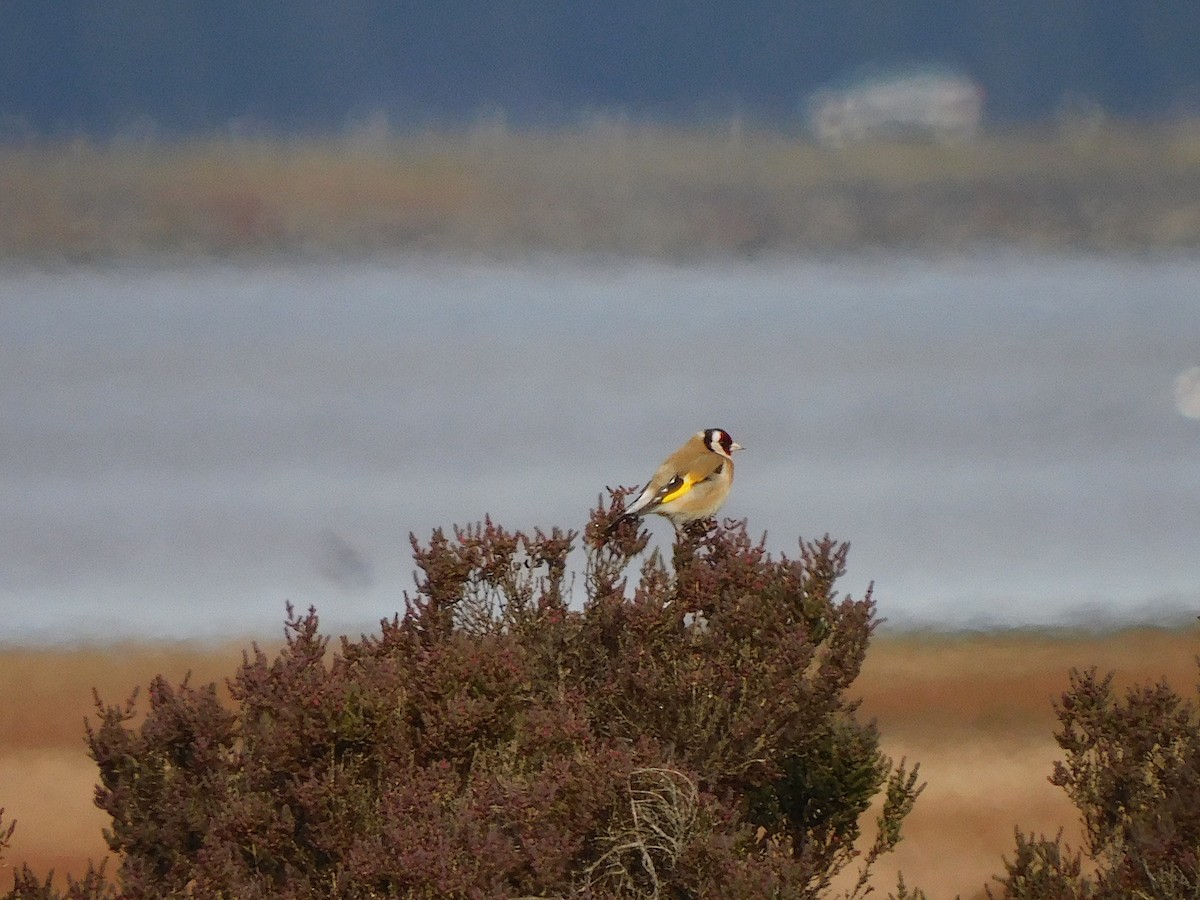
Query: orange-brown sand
x,y
974,710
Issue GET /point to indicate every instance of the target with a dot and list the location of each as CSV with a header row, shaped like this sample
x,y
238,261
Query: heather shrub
x,y
27,885
685,731
1132,768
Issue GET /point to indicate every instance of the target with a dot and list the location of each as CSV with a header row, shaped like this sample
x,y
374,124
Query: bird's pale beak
x,y
735,446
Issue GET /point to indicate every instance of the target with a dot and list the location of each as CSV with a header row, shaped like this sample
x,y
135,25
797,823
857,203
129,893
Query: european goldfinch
x,y
692,483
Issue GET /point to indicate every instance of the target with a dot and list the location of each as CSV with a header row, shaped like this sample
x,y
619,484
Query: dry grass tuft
x,y
663,804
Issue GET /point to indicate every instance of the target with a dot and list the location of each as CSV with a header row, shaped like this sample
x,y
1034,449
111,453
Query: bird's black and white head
x,y
718,441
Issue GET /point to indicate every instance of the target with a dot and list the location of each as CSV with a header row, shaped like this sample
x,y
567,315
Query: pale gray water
x,y
183,449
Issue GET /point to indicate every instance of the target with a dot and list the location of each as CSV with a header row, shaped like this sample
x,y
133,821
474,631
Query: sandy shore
x,y
974,710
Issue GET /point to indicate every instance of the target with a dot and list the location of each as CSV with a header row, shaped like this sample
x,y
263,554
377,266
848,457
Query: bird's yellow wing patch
x,y
678,486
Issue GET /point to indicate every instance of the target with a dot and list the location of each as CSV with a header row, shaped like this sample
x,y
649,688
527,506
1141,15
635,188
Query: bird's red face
x,y
719,441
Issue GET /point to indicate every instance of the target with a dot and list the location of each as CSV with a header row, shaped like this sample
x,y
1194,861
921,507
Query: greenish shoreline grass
x,y
607,188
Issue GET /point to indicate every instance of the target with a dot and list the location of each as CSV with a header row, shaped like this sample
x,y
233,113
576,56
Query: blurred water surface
x,y
184,449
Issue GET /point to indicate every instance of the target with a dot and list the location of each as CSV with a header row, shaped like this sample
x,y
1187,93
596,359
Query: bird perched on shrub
x,y
692,483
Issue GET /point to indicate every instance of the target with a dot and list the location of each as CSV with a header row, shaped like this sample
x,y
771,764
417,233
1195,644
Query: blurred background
x,y
283,283
197,68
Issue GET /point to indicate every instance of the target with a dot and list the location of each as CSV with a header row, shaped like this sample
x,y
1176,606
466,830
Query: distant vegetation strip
x,y
609,187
